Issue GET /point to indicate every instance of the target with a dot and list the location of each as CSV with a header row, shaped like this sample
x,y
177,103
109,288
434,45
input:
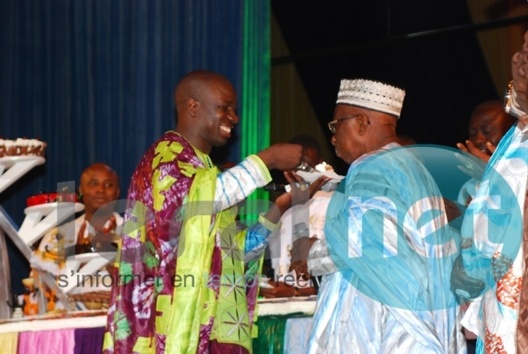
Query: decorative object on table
x,y
22,147
16,305
13,168
29,299
54,197
50,300
84,289
95,300
17,313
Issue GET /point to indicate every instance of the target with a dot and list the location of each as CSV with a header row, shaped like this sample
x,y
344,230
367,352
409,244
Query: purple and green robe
x,y
181,284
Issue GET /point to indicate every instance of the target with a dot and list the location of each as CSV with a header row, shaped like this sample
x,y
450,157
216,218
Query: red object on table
x,y
44,198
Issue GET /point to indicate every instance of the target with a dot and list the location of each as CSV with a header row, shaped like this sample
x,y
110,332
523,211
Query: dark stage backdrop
x,y
426,47
94,79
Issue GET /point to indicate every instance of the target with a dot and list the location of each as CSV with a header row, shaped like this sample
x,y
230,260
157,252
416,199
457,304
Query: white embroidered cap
x,y
371,95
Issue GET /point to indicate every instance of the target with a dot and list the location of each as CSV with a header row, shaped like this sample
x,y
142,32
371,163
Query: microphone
x,y
275,187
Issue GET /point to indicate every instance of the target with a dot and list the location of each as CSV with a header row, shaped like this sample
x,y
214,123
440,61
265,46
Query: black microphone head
x,y
275,187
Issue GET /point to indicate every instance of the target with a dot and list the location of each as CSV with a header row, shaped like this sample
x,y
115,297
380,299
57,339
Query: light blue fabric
x,y
467,192
256,241
389,237
492,237
480,347
496,200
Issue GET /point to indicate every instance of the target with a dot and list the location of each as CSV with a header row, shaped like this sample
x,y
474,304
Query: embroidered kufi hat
x,y
371,95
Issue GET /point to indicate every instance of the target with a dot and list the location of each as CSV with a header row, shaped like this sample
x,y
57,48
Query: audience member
x,y
99,186
185,271
494,235
98,189
94,230
385,288
488,124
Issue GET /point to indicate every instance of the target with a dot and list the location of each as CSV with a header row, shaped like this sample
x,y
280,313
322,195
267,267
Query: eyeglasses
x,y
333,124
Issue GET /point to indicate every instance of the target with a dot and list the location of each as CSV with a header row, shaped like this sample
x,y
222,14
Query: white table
x,y
296,334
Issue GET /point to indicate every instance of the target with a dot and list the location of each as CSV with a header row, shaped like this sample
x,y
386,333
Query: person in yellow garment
x,y
184,280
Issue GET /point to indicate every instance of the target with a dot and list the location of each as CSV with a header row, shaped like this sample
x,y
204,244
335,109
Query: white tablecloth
x,y
266,308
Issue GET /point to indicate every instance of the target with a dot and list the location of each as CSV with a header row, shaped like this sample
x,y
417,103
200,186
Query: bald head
x,y
206,109
195,84
493,107
99,185
99,167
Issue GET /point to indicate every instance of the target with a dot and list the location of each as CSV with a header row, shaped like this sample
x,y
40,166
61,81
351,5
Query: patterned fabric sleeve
x,y
238,182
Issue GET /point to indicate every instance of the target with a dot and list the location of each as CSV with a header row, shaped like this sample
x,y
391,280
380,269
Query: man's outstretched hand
x,y
282,156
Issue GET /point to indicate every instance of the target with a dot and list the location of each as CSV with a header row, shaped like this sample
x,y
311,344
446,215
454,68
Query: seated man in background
x,y
93,231
99,187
